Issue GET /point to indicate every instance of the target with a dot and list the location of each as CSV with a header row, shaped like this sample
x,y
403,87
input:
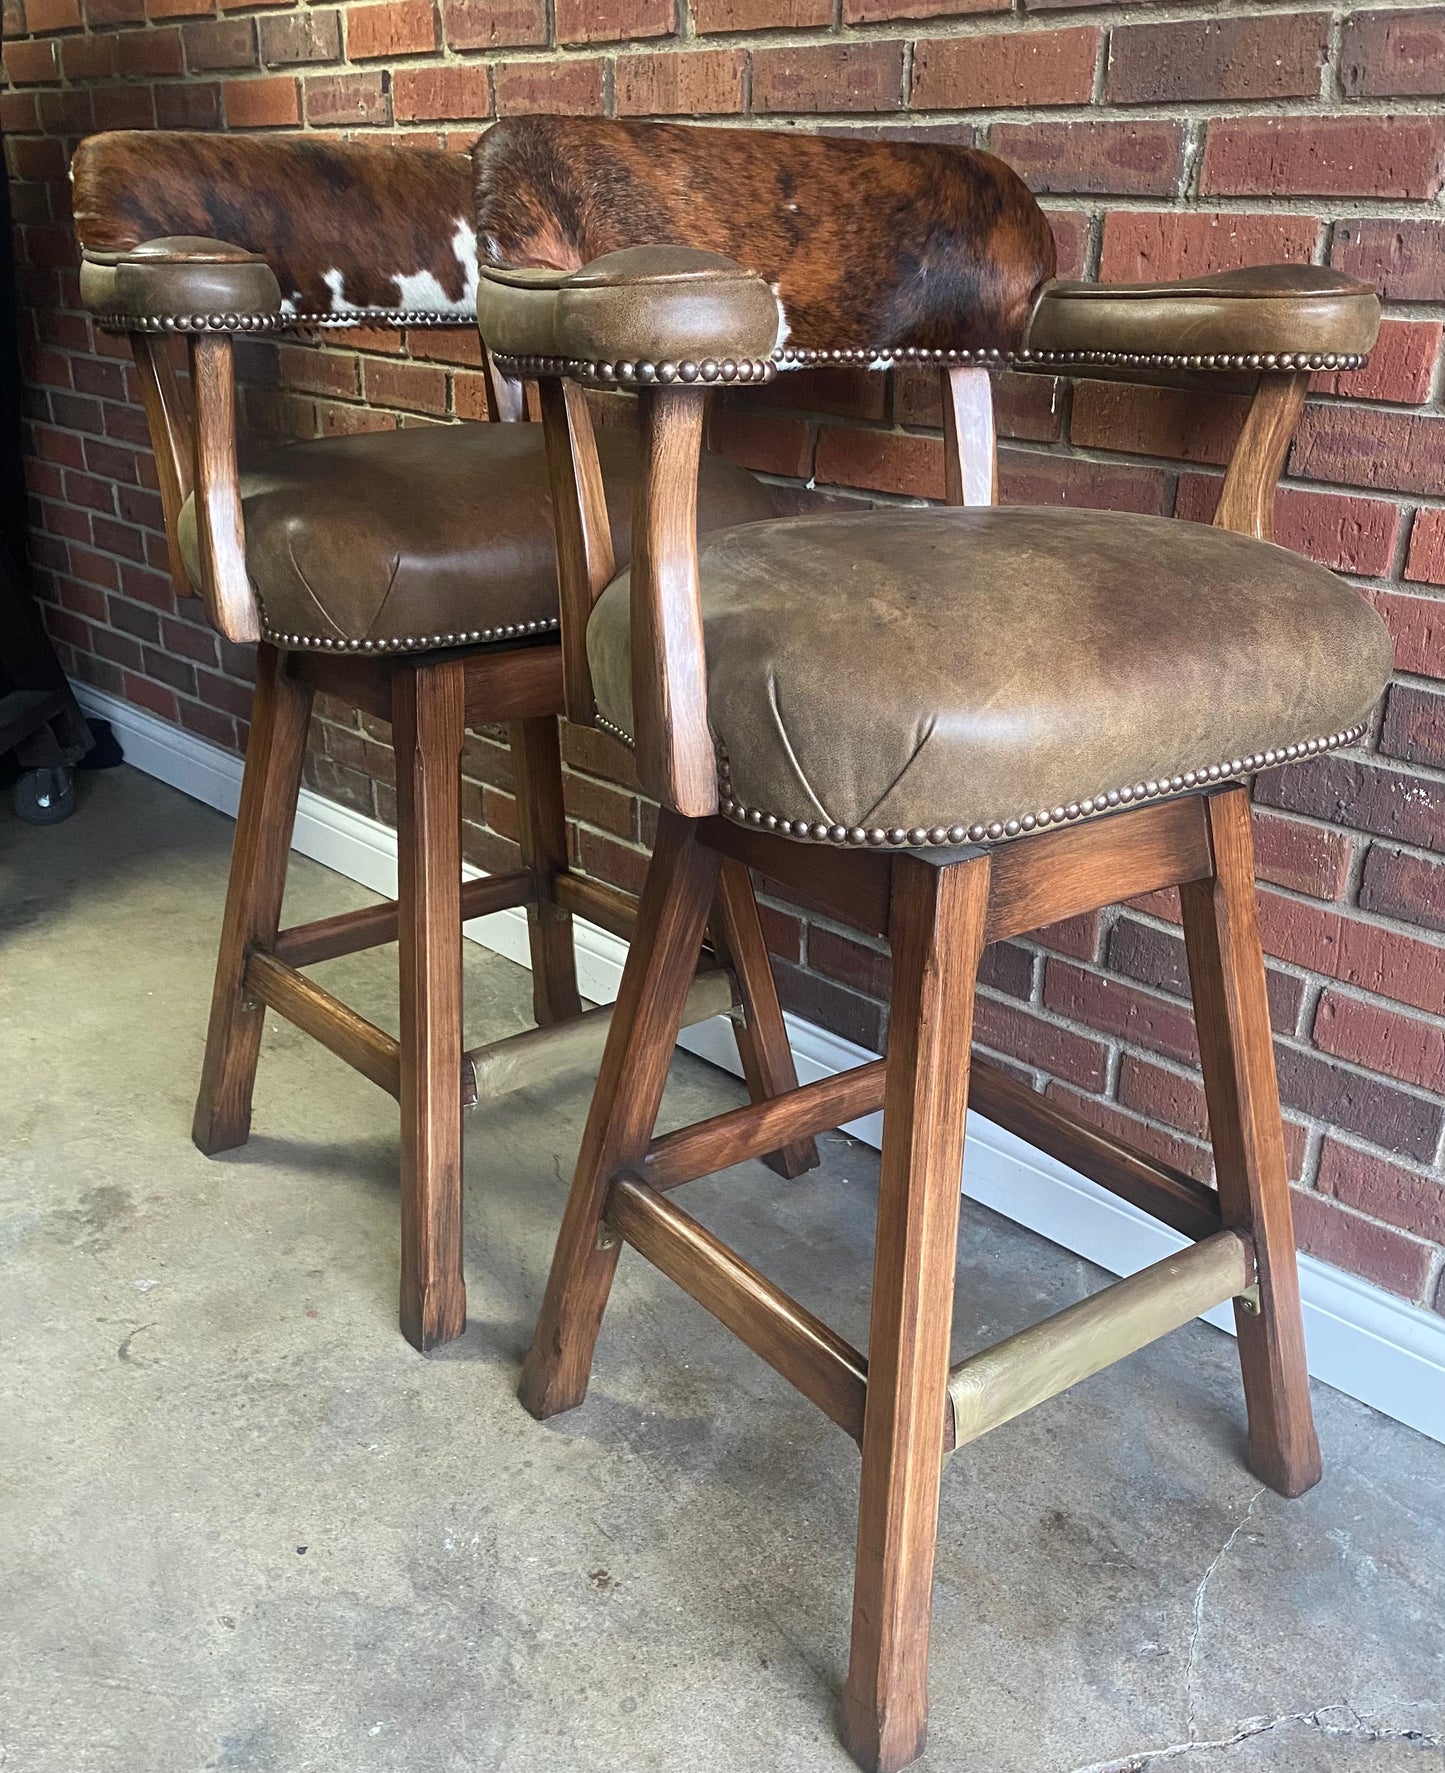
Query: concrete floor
x,y
243,1526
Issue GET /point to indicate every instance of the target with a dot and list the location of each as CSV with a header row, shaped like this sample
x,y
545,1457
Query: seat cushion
x,y
397,541
924,677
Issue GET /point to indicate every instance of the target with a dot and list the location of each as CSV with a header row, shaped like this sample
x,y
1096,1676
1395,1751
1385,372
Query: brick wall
x,y
1165,140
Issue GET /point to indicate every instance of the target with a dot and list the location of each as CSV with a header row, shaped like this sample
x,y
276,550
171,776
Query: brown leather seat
x,y
399,541
935,677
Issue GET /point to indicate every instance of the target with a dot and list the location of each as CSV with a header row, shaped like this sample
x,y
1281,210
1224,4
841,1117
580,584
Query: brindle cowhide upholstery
x,y
345,225
869,244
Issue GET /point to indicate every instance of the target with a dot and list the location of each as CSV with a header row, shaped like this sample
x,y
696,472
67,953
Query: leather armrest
x,y
633,318
1298,316
182,284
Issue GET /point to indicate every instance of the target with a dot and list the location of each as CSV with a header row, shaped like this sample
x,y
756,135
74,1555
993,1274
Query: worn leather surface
x,y
869,243
650,303
918,668
343,224
1261,309
180,276
428,535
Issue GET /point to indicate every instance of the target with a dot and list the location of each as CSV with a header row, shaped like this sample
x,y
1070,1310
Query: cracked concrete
x,y
243,1526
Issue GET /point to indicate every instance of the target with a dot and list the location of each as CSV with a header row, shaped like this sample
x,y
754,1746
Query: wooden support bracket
x,y
801,1347
994,1386
364,1046
304,944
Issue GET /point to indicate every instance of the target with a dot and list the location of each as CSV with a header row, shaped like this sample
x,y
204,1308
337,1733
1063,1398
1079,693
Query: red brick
x,y
1371,1184
1390,54
849,962
1324,156
1158,1093
1370,956
1417,627
609,21
1071,240
28,63
1414,726
396,27
1143,1135
1042,1045
1372,1109
1380,1039
1352,535
414,386
189,104
1405,260
1146,246
1271,56
858,76
766,444
481,24
1040,477
1324,1230
703,83
177,8
1401,366
311,34
1012,68
760,15
1128,159
1365,796
881,461
271,103
1426,564
1112,1007
572,87
819,1000
51,15
337,99
220,43
1078,937
848,393
149,52
1179,423
1363,446
1398,884
1304,857
448,92
869,12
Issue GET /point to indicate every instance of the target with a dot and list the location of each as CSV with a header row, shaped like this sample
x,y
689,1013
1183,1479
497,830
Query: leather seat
x,y
946,676
399,541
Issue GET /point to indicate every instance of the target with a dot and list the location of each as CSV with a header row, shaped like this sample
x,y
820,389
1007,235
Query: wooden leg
x,y
660,962
274,756
937,927
427,727
542,817
1226,968
762,1036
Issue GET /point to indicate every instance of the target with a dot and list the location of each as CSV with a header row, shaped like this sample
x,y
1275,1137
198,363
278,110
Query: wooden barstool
x,y
408,573
943,727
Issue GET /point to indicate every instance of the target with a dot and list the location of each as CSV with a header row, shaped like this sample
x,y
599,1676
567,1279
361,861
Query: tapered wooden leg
x,y
670,922
542,834
1226,969
762,1035
269,789
937,927
427,727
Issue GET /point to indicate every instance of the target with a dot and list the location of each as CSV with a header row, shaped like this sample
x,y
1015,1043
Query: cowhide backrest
x,y
346,226
870,244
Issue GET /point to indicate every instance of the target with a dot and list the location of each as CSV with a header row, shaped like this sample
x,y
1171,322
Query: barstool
x,y
944,727
409,573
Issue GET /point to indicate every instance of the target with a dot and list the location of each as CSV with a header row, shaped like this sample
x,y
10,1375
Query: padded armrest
x,y
644,315
1299,316
182,284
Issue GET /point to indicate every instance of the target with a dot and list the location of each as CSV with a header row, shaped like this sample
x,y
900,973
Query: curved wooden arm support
x,y
169,420
585,561
226,585
1246,504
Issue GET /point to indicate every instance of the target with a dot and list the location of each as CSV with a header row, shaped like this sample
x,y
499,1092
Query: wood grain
x,y
1236,1048
670,921
970,447
312,1009
585,563
428,721
220,528
937,940
349,932
172,442
275,752
542,838
1247,502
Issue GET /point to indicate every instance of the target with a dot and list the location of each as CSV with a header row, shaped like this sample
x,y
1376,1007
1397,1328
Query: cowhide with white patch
x,y
870,244
348,227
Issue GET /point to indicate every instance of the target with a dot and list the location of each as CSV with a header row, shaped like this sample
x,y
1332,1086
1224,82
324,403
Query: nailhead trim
x,y
1290,360
919,837
627,374
276,322
408,643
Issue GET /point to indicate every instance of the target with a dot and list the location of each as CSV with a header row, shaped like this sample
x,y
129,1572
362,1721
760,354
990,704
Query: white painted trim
x,y
1362,1340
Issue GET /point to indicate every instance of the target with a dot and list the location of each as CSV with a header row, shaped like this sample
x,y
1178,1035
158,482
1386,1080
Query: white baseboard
x,y
1362,1340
